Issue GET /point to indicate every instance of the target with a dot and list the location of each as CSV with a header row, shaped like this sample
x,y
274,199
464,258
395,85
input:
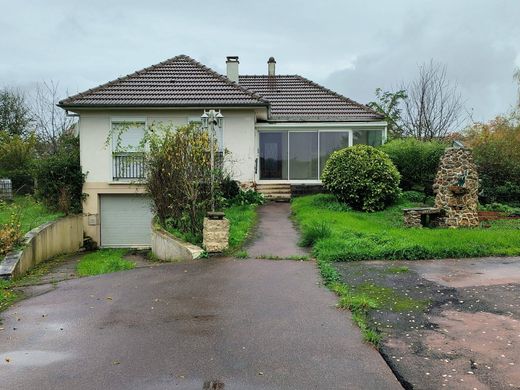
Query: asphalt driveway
x,y
246,324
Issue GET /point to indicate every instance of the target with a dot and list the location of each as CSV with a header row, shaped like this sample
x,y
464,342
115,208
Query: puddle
x,y
32,358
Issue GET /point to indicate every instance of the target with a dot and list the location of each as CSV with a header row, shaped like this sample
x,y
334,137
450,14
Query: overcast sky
x,y
349,47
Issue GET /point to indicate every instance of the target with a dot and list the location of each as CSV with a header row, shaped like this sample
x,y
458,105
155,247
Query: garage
x,y
125,220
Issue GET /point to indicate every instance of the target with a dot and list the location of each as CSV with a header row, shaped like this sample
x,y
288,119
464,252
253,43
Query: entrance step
x,y
275,192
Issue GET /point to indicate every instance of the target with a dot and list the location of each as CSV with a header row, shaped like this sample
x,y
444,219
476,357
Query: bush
x,y
248,197
496,149
16,161
60,179
230,188
179,176
417,162
362,177
11,232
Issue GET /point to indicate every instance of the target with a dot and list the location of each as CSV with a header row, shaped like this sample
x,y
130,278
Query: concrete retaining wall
x,y
167,247
44,242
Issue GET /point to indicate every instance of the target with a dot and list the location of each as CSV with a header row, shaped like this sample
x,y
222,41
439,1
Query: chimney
x,y
232,68
271,65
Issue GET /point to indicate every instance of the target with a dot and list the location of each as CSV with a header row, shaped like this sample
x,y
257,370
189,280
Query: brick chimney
x,y
232,68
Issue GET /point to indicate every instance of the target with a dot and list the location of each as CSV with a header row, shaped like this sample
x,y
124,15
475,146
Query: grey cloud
x,y
349,46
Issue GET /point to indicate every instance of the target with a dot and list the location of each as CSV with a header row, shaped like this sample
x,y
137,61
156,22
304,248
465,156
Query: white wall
x,y
96,155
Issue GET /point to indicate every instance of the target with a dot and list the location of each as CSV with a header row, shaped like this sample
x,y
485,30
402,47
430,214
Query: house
x,y
280,130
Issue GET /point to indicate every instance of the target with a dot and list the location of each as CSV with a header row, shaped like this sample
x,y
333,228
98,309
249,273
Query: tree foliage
x,y
17,156
59,177
363,177
15,114
389,104
178,176
496,149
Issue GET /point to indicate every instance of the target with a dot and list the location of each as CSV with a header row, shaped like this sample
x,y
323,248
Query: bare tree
x,y
51,121
434,106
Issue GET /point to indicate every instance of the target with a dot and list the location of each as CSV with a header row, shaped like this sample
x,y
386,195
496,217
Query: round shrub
x,y
362,177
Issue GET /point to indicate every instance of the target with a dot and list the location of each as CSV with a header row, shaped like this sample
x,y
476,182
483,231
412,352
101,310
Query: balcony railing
x,y
128,167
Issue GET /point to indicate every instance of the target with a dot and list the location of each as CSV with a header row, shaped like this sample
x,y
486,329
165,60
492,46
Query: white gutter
x,y
318,125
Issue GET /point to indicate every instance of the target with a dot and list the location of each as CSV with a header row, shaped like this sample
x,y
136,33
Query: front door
x,y
271,160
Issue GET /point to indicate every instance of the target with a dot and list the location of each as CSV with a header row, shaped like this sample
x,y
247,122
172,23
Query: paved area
x,y
207,324
467,336
275,234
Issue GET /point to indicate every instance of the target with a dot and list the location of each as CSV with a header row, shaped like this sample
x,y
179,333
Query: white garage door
x,y
125,221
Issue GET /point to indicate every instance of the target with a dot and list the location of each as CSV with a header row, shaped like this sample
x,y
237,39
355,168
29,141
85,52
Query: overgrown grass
x,y
32,212
104,261
242,254
7,294
353,235
242,219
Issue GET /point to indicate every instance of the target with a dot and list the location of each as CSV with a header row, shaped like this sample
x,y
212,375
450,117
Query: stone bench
x,y
422,216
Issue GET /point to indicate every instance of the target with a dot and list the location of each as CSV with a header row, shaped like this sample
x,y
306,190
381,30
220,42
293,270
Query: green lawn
x,y
242,219
339,234
32,213
104,261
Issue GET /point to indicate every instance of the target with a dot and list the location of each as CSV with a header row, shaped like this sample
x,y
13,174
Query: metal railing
x,y
128,166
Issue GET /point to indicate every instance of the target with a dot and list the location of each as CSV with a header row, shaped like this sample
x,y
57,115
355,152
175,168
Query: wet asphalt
x,y
207,324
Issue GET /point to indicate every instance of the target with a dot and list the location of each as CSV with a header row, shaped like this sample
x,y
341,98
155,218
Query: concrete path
x,y
207,324
276,234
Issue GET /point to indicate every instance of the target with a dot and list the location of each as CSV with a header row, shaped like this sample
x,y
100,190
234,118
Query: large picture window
x,y
330,141
302,154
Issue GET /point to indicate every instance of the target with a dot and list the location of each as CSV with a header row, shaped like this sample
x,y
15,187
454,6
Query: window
x,y
303,155
330,141
127,162
127,135
368,137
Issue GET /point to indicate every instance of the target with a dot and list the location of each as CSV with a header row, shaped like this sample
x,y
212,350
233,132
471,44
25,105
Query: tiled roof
x,y
179,81
295,98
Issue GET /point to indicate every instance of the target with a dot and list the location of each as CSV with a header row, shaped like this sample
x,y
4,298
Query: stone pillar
x,y
215,235
456,188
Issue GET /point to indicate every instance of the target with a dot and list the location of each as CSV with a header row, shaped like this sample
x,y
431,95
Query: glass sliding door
x,y
303,155
368,137
330,141
273,155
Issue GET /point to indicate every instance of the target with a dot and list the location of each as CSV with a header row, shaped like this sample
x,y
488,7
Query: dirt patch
x,y
464,338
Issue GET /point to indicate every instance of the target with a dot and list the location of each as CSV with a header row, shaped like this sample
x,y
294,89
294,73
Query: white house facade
x,y
278,130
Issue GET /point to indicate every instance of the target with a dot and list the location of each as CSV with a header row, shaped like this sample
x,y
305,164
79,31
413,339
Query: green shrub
x,y
179,176
413,196
496,149
60,179
362,177
248,197
16,161
229,188
417,162
311,234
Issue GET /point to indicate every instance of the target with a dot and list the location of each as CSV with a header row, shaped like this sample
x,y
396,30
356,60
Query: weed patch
x,y
340,234
242,254
104,261
242,219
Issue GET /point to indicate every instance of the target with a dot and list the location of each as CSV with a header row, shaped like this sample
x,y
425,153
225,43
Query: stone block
x,y
215,235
